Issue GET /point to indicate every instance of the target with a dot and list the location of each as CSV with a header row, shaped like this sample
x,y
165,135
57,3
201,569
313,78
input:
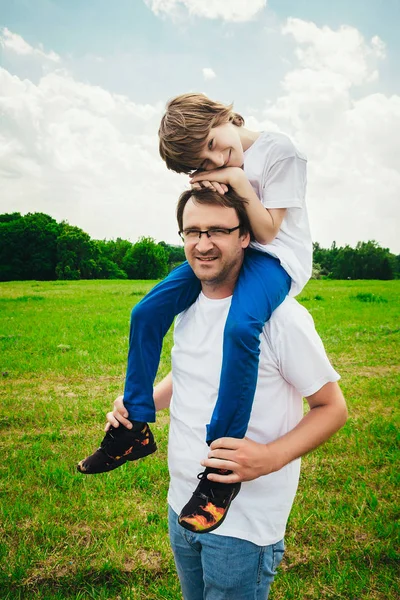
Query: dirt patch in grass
x,y
148,559
355,369
378,371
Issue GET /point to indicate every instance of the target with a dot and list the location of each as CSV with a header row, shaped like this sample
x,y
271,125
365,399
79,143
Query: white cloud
x,y
228,10
208,74
343,52
15,43
354,158
80,153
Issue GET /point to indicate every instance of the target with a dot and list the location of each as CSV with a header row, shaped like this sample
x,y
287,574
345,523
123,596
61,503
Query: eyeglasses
x,y
215,233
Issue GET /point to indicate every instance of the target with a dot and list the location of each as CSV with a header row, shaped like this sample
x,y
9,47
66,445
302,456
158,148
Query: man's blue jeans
x,y
215,567
261,287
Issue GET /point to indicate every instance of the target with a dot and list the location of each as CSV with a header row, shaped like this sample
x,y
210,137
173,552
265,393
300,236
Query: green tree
x,y
7,217
115,250
176,254
108,269
344,263
77,254
323,258
146,260
372,261
28,246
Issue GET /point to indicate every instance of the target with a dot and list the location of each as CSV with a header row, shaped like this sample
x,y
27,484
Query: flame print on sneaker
x,y
201,522
209,504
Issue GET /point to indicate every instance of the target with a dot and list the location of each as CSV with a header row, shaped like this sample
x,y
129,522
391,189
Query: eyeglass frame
x,y
229,230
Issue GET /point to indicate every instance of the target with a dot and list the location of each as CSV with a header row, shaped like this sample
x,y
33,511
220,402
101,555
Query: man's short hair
x,y
185,127
206,196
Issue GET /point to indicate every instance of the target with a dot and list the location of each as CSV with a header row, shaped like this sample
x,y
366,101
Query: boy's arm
x,y
162,398
248,459
265,223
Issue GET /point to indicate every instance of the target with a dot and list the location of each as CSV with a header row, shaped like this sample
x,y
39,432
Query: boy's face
x,y
223,148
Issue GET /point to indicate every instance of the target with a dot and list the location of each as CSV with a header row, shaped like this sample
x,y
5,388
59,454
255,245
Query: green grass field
x,y
63,535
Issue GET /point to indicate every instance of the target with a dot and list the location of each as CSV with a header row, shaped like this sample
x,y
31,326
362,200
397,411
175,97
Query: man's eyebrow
x,y
209,227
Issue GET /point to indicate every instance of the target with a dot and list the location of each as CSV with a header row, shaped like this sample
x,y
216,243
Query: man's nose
x,y
204,243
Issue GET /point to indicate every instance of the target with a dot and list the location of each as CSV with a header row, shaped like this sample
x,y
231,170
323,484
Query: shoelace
x,y
215,488
107,440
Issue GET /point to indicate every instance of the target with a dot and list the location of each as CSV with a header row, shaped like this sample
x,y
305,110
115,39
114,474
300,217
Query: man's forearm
x,y
248,459
316,427
162,392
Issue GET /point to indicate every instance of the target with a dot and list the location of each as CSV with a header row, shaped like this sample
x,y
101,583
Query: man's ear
x,y
245,240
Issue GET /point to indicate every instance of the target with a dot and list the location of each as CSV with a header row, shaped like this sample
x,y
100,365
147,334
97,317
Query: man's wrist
x,y
275,459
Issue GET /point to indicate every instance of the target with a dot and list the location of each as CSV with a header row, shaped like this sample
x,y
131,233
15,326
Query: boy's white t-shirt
x,y
293,364
277,173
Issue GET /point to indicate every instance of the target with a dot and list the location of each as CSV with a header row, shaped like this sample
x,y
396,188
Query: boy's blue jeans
x,y
262,285
217,567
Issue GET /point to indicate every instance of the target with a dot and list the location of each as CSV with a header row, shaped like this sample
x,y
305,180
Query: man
x,y
238,560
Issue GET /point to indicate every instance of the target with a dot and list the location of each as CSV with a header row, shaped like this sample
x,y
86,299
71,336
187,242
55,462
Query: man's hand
x,y
249,460
118,415
245,458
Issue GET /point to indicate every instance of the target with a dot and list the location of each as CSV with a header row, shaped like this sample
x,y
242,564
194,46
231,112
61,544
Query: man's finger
x,y
111,420
226,442
122,419
115,417
233,477
216,463
221,454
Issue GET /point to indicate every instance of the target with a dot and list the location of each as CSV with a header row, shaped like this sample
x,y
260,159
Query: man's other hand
x,y
118,415
246,459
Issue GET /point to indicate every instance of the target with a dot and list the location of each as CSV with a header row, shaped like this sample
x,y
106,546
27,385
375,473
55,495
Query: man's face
x,y
223,148
216,262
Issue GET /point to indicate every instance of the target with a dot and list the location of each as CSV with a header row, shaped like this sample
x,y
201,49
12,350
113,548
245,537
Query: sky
x,y
83,87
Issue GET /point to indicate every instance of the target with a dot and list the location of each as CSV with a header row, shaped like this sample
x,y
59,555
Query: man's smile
x,y
206,258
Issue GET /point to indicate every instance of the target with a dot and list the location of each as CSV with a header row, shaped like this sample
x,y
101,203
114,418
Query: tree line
x,y
368,260
36,246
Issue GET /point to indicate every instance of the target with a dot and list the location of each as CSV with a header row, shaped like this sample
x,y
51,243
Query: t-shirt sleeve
x,y
284,183
302,358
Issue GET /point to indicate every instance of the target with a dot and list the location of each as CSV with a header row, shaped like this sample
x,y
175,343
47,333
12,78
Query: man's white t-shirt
x,y
278,175
293,364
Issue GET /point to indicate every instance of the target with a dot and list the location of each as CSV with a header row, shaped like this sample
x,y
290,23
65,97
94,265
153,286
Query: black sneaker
x,y
119,445
208,506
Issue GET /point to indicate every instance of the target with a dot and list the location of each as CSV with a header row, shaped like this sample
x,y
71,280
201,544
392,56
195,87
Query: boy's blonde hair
x,y
185,127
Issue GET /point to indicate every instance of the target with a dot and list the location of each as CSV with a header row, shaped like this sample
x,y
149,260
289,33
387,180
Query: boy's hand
x,y
226,176
221,188
118,415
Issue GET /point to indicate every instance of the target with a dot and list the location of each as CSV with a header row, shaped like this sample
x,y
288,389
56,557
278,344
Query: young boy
x,y
209,141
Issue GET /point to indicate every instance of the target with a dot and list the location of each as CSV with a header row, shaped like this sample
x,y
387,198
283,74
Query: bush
x,y
367,297
146,260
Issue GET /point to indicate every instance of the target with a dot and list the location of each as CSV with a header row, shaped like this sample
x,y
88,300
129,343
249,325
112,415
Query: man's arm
x,y
162,397
248,460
